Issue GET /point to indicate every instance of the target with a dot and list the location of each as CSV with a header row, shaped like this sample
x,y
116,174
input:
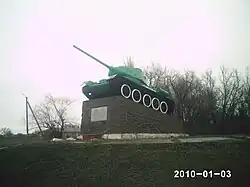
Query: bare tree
x,y
184,88
129,62
231,92
53,113
156,75
244,109
179,86
209,92
6,131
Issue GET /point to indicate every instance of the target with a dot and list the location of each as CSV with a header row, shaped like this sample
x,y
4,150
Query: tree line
x,y
206,104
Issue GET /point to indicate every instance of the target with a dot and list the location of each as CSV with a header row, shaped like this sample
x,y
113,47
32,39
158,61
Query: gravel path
x,y
205,139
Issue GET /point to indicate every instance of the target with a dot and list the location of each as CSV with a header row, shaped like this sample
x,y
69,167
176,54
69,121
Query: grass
x,y
15,140
54,165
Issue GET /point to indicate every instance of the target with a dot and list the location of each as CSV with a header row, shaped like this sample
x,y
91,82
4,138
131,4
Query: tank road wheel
x,y
136,95
164,107
125,91
146,100
155,103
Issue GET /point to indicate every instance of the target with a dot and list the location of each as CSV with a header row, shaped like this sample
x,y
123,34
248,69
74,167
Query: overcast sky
x,y
36,38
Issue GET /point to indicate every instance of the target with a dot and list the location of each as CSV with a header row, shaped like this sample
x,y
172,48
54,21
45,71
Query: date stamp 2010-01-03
x,y
203,174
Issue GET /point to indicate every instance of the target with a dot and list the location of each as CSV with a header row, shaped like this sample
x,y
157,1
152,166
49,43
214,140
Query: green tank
x,y
131,83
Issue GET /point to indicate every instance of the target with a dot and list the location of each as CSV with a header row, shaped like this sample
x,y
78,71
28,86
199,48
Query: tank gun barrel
x,y
89,55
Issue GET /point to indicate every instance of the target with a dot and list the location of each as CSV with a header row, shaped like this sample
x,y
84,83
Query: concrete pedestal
x,y
120,115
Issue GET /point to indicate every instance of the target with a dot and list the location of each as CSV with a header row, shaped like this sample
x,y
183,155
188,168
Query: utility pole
x,y
27,104
27,116
35,118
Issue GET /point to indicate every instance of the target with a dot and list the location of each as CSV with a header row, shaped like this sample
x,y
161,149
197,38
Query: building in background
x,y
72,131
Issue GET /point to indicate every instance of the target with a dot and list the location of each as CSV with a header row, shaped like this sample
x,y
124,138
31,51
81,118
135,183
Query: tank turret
x,y
131,83
136,73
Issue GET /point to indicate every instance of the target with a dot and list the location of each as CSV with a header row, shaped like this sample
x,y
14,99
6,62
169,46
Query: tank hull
x,y
140,94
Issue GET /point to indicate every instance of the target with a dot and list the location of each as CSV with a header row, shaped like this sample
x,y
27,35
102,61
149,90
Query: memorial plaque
x,y
99,114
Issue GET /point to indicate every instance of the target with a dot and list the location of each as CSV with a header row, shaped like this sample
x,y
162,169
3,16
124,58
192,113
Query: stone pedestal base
x,y
120,115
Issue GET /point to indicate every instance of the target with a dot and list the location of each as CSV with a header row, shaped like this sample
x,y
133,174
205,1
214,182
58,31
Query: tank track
x,y
119,85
